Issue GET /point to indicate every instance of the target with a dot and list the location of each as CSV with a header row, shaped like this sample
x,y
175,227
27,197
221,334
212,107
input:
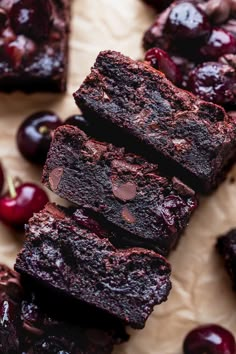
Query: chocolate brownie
x,y
123,188
226,246
62,255
191,138
31,323
34,45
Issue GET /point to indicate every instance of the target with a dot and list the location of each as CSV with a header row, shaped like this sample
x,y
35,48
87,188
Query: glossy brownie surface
x,y
61,254
124,189
34,45
190,137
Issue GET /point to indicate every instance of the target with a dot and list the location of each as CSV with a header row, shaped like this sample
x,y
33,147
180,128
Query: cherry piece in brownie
x,y
30,322
226,246
195,140
62,255
34,45
124,189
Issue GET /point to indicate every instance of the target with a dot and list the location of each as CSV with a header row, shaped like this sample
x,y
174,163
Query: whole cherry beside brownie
x,y
209,339
19,204
34,135
199,48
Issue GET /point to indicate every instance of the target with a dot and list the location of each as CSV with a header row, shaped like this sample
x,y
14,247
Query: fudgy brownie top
x,y
30,322
196,137
33,43
122,187
226,246
64,256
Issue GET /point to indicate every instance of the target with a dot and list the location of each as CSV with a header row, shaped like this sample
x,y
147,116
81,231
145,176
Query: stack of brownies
x,y
130,200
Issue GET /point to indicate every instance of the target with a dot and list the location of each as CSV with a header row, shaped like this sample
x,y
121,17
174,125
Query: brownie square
x,y
30,322
226,246
192,139
62,255
124,189
34,45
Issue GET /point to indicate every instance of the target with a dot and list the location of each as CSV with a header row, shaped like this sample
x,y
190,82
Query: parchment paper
x,y
201,289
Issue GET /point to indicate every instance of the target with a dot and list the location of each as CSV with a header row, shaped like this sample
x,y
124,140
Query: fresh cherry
x,y
160,60
90,128
209,339
220,42
213,81
1,178
19,49
78,120
34,135
31,18
19,205
186,20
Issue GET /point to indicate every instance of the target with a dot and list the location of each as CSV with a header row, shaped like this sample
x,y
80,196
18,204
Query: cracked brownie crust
x,y
191,138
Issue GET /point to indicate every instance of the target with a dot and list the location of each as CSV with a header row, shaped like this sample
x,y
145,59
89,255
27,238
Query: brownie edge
x,y
62,255
124,189
193,139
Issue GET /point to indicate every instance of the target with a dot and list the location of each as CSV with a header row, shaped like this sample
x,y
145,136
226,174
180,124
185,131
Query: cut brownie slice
x,y
62,255
30,322
34,45
123,188
226,246
194,139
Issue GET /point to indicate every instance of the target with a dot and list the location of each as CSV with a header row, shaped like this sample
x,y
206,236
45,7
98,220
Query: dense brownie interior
x,y
62,255
121,187
33,320
192,138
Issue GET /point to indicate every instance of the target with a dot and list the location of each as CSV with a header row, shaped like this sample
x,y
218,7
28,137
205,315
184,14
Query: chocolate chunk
x,y
127,215
125,191
55,177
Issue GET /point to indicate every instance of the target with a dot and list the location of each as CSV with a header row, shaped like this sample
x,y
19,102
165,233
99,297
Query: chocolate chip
x,y
127,215
55,177
126,191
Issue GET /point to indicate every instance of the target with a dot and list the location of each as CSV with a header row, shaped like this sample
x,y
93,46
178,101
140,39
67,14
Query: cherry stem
x,y
11,186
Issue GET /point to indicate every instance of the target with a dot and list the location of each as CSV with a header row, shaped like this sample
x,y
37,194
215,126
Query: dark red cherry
x,y
209,339
214,82
19,49
78,120
1,178
160,60
186,20
31,18
19,206
34,135
220,42
83,123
